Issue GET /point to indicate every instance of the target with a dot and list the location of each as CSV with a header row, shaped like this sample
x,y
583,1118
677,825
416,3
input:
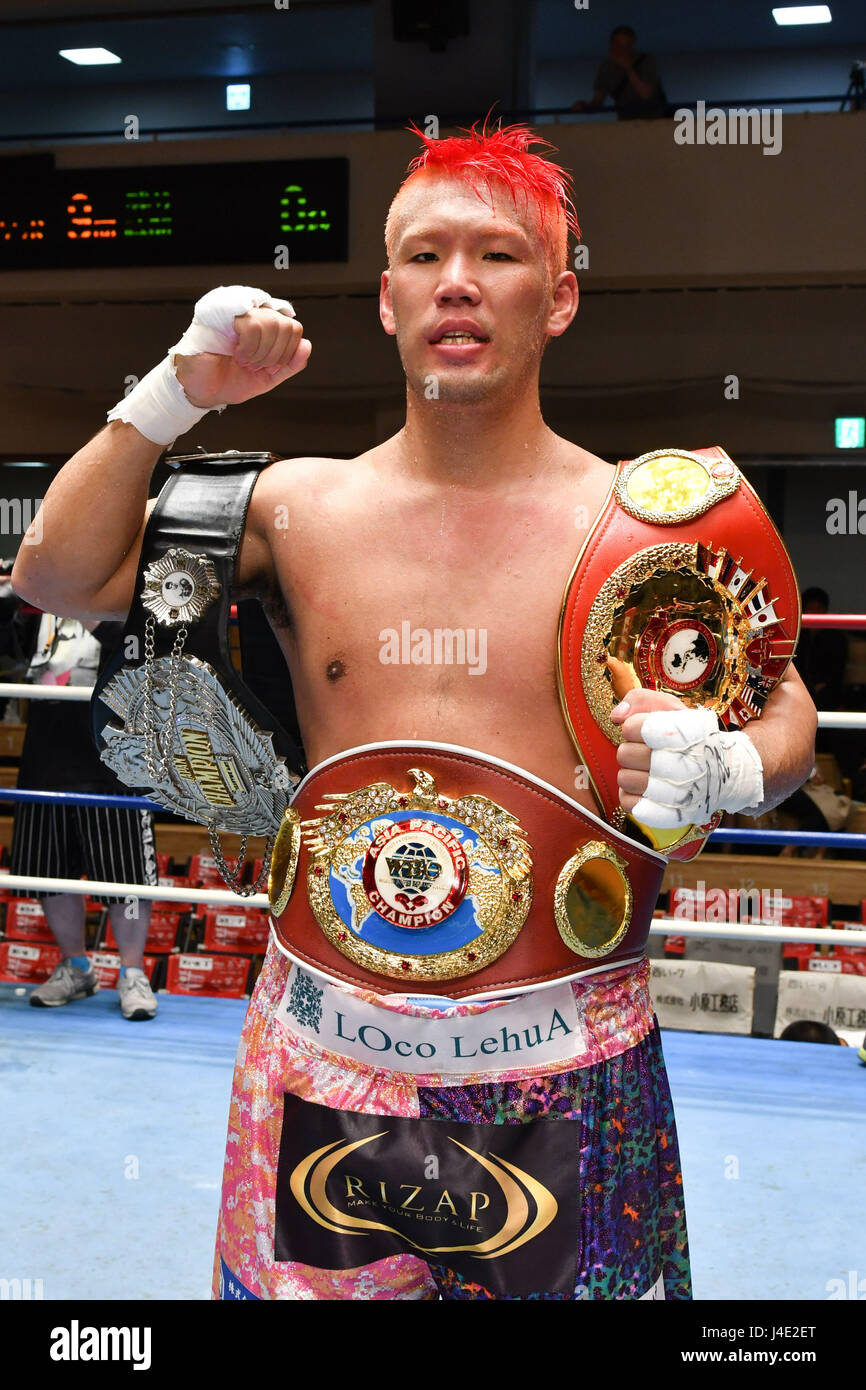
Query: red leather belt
x,y
424,868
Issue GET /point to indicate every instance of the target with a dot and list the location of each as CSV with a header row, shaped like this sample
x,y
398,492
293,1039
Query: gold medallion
x,y
685,618
414,885
592,900
669,486
284,861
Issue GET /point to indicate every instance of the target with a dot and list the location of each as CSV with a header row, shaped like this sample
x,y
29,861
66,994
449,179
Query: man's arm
x,y
82,557
785,738
80,554
646,86
595,105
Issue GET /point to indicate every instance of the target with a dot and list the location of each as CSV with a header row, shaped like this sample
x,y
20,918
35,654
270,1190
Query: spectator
x,y
629,78
65,841
808,1030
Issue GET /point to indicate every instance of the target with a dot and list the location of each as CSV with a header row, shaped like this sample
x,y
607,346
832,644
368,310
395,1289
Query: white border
x,y
395,745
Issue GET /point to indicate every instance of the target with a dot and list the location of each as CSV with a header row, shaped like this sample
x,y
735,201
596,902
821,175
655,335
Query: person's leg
x,y
43,850
605,1172
117,846
130,923
631,1229
74,978
270,1063
66,915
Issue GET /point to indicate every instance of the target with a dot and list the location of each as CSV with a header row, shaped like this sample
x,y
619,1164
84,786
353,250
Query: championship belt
x,y
426,868
189,732
683,584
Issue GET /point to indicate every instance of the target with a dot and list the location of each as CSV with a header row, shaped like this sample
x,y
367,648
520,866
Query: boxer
x,y
506,1133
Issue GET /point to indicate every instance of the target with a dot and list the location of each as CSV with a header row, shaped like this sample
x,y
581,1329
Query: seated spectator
x,y
629,78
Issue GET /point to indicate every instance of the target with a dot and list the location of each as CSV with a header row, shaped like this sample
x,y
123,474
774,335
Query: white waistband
x,y
525,1031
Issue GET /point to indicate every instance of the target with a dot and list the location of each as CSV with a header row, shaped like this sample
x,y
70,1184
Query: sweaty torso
x,y
420,611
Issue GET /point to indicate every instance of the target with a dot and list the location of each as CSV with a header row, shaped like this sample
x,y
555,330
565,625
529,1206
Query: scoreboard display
x,y
174,214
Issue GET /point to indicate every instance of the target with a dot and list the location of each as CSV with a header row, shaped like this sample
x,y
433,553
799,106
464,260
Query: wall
x,y
705,263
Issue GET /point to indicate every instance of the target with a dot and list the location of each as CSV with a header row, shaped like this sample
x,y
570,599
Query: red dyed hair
x,y
501,156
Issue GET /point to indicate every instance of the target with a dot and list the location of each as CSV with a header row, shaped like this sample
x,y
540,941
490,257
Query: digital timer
x,y
195,214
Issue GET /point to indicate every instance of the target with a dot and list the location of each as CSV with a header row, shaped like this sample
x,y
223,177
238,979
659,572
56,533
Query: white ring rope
x,y
215,897
212,897
757,931
827,719
10,691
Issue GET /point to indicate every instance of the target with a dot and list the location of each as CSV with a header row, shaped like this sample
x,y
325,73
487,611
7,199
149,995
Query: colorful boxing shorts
x,y
380,1147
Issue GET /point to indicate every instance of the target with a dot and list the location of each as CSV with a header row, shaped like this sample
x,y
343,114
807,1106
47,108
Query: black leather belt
x,y
190,731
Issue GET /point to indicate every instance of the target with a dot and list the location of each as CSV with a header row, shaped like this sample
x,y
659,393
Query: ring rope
x,y
827,719
77,799
212,897
755,931
661,926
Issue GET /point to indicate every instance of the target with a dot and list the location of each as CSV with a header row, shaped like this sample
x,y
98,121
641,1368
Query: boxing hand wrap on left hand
x,y
696,769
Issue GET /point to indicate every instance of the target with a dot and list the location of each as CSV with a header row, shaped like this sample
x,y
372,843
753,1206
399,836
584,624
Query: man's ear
x,y
565,300
386,313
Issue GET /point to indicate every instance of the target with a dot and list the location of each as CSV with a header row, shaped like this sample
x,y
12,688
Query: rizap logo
x,y
528,1206
76,1343
737,126
496,1203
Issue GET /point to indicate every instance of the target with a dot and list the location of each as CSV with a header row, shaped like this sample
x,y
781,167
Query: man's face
x,y
475,271
622,48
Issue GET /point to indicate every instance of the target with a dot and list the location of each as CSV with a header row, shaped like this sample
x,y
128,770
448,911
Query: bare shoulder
x,y
303,486
590,475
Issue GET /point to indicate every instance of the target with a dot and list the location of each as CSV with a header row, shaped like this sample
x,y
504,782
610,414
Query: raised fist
x,y
240,344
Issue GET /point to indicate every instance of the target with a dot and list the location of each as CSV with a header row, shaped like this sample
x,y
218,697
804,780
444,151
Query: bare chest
x,y
382,597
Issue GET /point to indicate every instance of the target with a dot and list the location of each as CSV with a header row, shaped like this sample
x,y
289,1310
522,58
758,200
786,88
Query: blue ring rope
x,y
78,799
806,838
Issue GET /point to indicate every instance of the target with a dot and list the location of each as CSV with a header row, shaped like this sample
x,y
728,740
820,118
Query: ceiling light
x,y
89,57
803,14
238,96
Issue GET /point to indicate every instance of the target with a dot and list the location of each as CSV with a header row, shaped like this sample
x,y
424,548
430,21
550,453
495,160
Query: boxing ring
x,y
113,1141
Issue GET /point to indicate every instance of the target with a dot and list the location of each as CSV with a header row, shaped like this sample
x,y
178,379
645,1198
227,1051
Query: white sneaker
x,y
137,999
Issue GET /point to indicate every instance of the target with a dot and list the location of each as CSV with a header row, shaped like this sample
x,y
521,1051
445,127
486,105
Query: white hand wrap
x,y
695,769
158,406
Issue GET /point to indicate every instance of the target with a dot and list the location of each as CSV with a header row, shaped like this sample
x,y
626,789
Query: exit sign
x,y
851,432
